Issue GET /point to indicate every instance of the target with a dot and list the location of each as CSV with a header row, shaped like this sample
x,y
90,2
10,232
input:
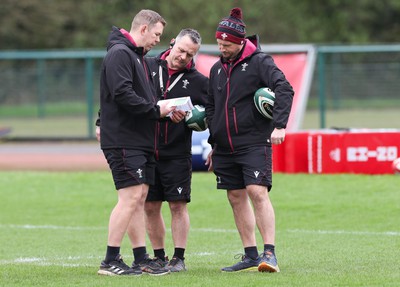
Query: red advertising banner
x,y
291,156
365,152
354,152
294,67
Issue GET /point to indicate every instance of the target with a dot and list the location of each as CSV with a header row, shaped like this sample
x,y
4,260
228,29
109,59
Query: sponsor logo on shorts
x,y
256,173
140,173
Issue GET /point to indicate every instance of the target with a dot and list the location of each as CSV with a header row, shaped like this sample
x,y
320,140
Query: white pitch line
x,y
69,261
84,228
30,226
211,230
46,262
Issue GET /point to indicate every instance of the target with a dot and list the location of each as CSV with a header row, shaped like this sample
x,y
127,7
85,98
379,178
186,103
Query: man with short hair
x,y
241,137
129,112
174,76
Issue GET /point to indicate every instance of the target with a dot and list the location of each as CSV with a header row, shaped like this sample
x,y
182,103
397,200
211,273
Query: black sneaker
x,y
152,267
117,267
162,262
176,265
268,262
246,264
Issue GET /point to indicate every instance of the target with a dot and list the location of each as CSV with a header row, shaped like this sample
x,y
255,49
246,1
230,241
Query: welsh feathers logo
x,y
185,83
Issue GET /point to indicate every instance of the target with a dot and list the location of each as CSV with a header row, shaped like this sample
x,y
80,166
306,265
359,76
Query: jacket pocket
x,y
235,120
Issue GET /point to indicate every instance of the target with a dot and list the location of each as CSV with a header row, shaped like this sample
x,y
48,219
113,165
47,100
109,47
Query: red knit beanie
x,y
232,28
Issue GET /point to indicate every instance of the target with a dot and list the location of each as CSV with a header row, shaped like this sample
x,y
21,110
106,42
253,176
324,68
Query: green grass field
x,y
332,230
68,126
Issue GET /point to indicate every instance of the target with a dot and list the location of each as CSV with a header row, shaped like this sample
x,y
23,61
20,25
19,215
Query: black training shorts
x,y
130,167
172,180
242,168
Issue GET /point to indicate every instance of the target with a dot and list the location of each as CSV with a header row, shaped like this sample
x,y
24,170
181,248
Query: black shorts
x,y
172,180
242,168
130,167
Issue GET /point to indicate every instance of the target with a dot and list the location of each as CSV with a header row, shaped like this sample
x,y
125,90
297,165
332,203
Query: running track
x,y
52,156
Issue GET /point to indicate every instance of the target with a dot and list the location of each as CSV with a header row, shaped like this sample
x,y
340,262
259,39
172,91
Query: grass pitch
x,y
78,126
332,230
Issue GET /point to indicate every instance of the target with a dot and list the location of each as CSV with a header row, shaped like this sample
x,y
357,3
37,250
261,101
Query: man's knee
x,y
152,208
236,196
178,207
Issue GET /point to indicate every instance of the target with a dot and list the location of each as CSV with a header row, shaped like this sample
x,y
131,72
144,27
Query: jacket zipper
x,y
229,69
154,101
165,97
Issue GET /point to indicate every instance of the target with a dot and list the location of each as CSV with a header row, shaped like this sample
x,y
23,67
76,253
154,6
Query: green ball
x,y
196,119
264,99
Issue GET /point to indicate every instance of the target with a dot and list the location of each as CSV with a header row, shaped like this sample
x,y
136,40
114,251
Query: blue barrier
x,y
200,149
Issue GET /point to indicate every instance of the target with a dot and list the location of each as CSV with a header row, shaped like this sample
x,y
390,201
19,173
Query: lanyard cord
x,y
162,83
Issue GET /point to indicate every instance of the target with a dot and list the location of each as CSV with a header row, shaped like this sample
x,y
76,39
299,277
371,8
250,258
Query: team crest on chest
x,y
185,83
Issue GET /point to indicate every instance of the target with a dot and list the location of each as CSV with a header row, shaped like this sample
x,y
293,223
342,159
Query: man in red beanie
x,y
241,137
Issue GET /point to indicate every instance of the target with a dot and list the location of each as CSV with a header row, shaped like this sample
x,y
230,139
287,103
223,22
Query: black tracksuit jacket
x,y
234,122
175,140
127,99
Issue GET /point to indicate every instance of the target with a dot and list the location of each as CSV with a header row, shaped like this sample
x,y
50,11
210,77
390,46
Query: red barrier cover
x,y
365,152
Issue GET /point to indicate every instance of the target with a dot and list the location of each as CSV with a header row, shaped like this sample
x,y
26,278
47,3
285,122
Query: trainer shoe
x,y
176,265
117,267
246,264
152,267
268,262
162,262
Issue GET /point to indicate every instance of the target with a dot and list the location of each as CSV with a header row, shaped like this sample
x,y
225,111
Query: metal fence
x,y
46,87
363,78
54,94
